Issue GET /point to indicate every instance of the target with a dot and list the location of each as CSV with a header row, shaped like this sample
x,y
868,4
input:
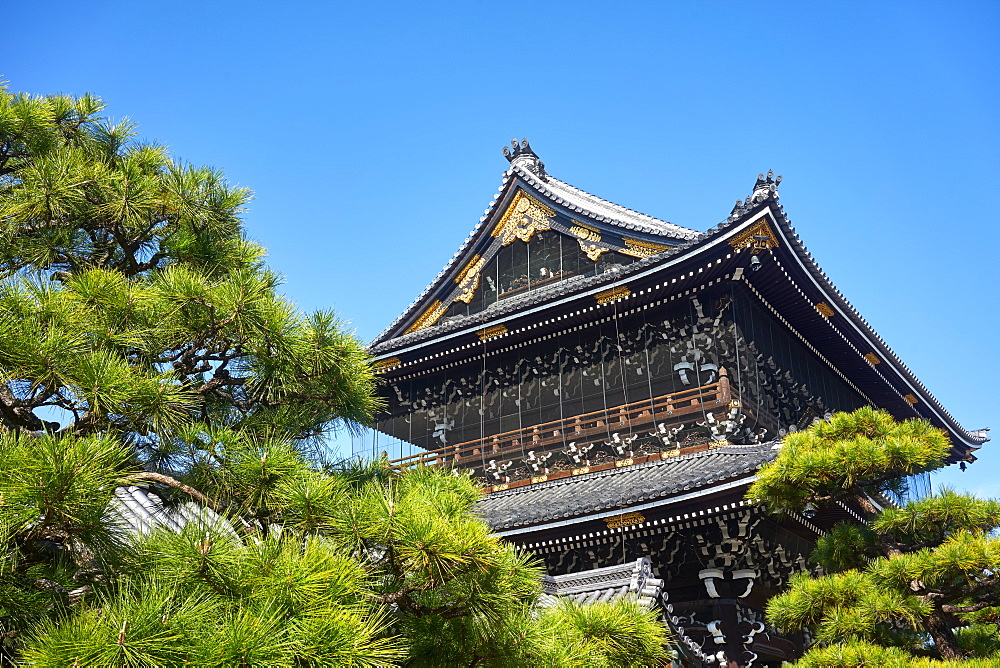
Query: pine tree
x,y
899,586
143,342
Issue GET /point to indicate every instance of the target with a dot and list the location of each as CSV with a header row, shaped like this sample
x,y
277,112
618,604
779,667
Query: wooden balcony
x,y
632,418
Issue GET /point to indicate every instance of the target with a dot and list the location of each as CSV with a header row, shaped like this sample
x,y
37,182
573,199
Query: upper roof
x,y
788,281
526,165
622,228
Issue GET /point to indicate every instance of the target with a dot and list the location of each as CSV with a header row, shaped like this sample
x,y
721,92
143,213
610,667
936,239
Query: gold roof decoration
x,y
430,316
522,219
637,248
757,237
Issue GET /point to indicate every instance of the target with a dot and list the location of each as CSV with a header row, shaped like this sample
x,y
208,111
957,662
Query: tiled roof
x,y
562,194
599,209
513,304
138,510
633,579
609,490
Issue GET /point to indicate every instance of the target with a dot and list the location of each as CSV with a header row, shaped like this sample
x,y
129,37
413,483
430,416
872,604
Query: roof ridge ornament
x,y
765,188
523,156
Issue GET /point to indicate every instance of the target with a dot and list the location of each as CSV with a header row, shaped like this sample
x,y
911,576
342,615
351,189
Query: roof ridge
x,y
671,228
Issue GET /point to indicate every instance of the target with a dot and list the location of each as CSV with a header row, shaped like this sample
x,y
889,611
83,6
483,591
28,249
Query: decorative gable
x,y
539,231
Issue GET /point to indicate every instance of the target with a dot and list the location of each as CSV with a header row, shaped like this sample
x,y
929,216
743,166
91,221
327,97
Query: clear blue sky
x,y
371,134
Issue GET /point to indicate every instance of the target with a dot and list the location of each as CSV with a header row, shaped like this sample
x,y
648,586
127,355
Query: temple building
x,y
614,381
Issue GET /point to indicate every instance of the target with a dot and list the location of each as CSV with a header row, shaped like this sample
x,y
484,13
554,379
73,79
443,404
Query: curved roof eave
x,y
973,439
742,218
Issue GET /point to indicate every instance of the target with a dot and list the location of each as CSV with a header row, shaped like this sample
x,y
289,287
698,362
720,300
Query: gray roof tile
x,y
633,579
138,510
598,492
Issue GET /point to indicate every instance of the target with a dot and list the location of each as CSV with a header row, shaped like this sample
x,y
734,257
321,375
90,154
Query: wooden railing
x,y
580,429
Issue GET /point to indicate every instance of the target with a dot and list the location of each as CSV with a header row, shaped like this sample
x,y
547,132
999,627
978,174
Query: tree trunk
x,y
944,639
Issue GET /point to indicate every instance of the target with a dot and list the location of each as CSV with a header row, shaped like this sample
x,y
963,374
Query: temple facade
x,y
614,381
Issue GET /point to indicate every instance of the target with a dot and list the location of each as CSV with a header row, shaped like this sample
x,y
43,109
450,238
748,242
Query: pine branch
x,y
149,476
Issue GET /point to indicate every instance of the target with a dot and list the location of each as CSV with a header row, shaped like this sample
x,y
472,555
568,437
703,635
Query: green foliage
x,y
845,546
898,587
931,520
866,450
863,655
851,605
856,655
132,303
623,634
143,341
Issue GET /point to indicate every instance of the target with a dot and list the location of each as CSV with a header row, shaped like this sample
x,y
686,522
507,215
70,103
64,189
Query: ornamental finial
x,y
766,187
522,155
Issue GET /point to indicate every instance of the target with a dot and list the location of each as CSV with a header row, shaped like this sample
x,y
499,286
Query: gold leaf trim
x,y
872,359
910,399
585,231
388,363
637,248
491,332
718,444
611,295
824,310
757,237
468,279
429,316
667,454
593,251
539,478
522,219
624,520
581,470
624,462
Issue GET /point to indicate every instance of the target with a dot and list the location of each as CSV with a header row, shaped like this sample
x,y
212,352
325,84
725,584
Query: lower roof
x,y
610,492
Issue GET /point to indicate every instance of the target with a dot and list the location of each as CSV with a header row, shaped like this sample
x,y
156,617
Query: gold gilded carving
x,y
585,231
581,470
872,359
491,332
468,279
429,317
387,363
624,520
757,237
824,309
624,462
588,236
910,399
539,478
637,248
667,454
500,488
593,251
718,444
522,219
611,295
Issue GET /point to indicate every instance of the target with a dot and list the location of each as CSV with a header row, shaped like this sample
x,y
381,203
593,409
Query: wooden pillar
x,y
725,390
